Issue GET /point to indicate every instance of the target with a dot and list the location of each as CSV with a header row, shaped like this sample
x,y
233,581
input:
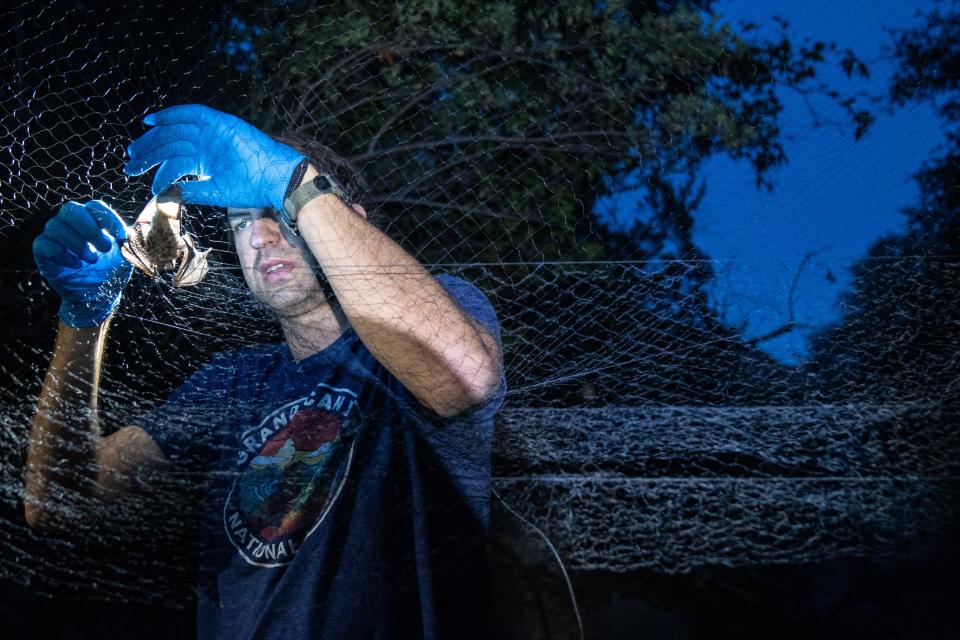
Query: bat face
x,y
156,244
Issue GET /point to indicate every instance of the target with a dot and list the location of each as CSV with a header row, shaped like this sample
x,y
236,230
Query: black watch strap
x,y
307,191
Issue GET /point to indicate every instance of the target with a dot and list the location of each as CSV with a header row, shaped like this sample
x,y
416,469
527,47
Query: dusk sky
x,y
834,197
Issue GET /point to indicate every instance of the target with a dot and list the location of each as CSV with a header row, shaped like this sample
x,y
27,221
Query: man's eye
x,y
239,225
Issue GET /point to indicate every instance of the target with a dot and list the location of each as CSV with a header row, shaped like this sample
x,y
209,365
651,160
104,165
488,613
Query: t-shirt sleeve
x,y
472,300
184,426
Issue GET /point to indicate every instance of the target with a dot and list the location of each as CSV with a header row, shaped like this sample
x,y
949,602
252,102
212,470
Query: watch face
x,y
328,184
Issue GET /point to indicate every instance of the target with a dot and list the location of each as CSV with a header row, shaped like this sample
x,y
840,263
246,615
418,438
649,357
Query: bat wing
x,y
136,254
193,265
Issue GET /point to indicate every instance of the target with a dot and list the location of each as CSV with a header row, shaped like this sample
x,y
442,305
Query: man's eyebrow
x,y
239,215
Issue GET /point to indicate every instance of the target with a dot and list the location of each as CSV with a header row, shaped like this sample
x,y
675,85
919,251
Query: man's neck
x,y
314,331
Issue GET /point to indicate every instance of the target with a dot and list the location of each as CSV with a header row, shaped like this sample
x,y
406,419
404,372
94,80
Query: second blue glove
x,y
239,165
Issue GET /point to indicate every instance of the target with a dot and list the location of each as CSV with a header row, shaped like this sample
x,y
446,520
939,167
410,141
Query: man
x,y
350,465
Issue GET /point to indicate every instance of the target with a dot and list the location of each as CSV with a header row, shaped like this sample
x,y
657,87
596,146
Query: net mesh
x,y
639,431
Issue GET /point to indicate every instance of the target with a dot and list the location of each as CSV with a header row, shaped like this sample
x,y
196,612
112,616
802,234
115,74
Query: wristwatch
x,y
299,194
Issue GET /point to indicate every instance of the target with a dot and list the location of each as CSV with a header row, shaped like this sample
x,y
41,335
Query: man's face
x,y
277,265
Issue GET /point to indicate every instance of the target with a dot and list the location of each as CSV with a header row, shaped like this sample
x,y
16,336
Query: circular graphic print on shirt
x,y
291,468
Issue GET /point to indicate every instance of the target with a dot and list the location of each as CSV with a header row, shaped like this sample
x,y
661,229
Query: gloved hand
x,y
241,166
90,282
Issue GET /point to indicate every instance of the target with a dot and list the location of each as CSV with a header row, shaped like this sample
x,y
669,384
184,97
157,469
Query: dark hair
x,y
326,160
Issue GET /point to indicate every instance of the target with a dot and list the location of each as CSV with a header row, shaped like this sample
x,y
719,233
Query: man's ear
x,y
359,209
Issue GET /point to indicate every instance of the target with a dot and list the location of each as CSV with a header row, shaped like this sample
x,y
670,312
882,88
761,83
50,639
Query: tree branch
x,y
506,140
445,206
790,324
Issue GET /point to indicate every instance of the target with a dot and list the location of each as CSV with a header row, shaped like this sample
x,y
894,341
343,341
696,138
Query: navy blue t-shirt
x,y
336,505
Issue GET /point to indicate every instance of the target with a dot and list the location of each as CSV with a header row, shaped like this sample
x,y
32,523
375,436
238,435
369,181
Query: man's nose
x,y
264,232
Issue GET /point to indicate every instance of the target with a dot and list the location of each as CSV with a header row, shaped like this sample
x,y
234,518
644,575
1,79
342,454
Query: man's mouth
x,y
275,270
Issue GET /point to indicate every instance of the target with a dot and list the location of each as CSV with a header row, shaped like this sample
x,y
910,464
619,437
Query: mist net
x,y
639,430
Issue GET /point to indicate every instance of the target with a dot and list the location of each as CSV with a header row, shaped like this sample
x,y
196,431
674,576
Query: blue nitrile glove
x,y
90,282
240,165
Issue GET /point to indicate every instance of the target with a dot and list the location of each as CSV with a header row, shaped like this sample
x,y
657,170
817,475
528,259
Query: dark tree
x,y
488,131
487,128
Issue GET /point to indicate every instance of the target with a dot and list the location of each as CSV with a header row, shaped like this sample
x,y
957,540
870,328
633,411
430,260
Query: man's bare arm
x,y
403,315
70,467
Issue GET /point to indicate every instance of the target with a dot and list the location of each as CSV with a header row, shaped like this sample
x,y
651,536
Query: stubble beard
x,y
291,302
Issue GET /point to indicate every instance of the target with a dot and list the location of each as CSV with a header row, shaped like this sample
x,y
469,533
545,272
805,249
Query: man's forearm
x,y
64,433
402,314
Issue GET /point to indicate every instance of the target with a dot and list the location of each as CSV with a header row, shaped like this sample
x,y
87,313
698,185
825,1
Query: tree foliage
x,y
486,128
487,132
